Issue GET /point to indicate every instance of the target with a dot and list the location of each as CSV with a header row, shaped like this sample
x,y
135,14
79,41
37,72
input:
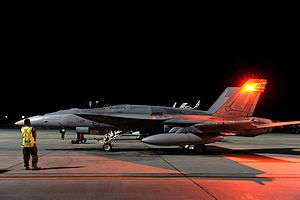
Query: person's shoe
x,y
27,168
36,168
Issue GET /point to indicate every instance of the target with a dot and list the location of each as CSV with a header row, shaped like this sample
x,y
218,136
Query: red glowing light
x,y
254,85
250,87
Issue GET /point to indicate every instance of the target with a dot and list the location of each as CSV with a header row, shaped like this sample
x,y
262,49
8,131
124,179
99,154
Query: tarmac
x,y
263,167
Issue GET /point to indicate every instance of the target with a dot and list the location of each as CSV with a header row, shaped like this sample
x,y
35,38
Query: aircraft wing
x,y
125,116
230,127
276,124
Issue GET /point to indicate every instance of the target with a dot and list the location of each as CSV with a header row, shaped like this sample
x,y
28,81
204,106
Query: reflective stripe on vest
x,y
27,137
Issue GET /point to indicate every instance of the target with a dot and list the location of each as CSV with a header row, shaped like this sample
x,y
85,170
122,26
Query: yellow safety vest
x,y
27,137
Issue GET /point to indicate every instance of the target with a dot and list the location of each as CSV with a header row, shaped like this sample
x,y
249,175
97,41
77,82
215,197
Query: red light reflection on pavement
x,y
272,166
245,189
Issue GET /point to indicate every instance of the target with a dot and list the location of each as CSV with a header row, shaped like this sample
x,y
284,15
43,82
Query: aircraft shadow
x,y
212,151
2,171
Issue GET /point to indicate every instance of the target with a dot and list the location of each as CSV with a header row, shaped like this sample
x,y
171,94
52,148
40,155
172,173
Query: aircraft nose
x,y
20,123
35,120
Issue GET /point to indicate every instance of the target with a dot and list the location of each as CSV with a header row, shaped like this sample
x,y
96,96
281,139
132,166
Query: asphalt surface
x,y
264,167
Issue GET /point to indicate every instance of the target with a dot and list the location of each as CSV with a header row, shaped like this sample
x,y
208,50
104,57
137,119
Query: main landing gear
x,y
199,148
80,139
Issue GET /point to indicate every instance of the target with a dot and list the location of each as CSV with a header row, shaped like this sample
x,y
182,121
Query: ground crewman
x,y
28,134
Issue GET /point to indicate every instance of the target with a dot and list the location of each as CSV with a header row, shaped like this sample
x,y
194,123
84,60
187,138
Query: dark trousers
x,y
27,151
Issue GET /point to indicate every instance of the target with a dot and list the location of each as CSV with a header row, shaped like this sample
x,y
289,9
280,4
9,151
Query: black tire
x,y
107,147
139,137
83,141
201,148
298,131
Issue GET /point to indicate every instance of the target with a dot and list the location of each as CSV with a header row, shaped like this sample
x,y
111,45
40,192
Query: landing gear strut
x,y
62,132
109,138
80,139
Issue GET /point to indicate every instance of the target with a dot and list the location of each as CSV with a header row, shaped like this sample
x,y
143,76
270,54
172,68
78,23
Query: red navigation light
x,y
250,87
254,85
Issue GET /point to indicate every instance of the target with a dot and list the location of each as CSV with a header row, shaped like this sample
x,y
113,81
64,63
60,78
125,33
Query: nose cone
x,y
20,123
35,120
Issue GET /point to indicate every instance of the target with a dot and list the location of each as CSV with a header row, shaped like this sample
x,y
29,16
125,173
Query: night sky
x,y
54,69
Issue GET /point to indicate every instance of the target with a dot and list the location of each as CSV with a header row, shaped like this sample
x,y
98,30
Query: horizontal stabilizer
x,y
276,124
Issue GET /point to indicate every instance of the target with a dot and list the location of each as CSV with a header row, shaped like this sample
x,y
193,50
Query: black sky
x,y
58,67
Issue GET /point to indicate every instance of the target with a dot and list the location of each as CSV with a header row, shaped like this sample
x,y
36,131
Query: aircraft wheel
x,y
107,147
201,148
75,141
139,137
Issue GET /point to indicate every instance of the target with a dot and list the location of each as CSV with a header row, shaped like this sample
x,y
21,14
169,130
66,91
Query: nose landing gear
x,y
107,147
109,138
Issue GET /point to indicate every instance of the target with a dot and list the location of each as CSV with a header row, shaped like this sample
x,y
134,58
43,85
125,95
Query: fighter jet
x,y
230,115
113,121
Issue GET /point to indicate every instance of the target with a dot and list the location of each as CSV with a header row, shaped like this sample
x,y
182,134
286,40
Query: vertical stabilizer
x,y
243,102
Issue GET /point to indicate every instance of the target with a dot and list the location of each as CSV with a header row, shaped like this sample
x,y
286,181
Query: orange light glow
x,y
250,87
254,85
